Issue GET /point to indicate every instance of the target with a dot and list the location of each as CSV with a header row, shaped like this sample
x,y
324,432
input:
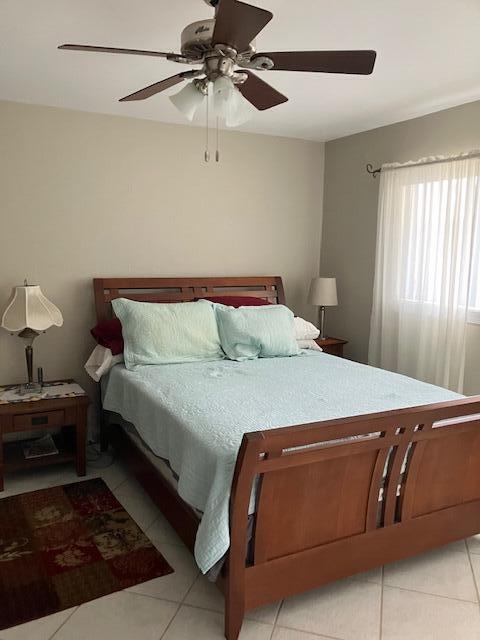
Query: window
x,y
428,261
427,268
474,303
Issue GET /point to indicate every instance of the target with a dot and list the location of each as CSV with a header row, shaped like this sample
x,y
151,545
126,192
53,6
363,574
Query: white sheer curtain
x,y
429,218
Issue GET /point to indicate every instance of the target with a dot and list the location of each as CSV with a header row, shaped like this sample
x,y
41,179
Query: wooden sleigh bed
x,y
318,516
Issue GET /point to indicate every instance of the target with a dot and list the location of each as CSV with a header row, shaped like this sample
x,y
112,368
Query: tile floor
x,y
432,597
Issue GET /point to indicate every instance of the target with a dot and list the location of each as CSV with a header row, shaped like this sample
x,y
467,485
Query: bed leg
x,y
234,613
234,600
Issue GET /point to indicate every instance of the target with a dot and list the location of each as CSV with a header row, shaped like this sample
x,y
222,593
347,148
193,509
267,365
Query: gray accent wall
x,y
350,215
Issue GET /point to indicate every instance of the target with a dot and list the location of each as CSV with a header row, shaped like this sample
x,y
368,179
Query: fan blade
x,y
238,23
134,52
358,62
260,93
156,87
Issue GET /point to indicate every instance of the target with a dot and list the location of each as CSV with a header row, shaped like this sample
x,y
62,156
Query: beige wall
x,y
86,195
350,214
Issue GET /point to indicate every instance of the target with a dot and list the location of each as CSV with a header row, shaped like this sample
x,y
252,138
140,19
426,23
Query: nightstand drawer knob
x,y
40,420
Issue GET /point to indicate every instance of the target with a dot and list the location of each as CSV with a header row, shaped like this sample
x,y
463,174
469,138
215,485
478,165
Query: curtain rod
x,y
373,172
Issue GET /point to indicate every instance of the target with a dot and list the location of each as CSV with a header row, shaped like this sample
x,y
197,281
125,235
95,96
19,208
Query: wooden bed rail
x,y
409,481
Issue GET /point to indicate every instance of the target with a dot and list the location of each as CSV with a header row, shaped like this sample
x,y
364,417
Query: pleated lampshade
x,y
29,308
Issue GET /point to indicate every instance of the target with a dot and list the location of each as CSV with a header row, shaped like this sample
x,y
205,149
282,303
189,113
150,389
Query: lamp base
x,y
28,388
322,323
28,336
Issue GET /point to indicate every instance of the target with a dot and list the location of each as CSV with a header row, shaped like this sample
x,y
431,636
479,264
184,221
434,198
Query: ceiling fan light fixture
x,y
188,100
239,110
222,92
229,105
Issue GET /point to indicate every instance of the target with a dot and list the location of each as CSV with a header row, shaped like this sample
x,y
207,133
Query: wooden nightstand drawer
x,y
43,419
334,350
332,346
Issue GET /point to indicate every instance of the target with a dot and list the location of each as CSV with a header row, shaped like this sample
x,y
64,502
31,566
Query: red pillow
x,y
109,335
238,301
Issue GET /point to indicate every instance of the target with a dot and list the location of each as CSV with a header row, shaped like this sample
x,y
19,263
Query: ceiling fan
x,y
224,46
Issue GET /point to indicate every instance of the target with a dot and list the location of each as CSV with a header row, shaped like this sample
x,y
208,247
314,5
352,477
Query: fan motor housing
x,y
196,40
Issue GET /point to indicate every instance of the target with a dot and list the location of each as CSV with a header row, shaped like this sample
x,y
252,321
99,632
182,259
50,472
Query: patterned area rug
x,y
67,545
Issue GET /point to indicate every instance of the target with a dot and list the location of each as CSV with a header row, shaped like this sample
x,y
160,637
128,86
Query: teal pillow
x,y
167,333
256,332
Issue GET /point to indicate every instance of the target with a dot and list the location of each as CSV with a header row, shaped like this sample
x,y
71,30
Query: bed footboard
x,y
328,507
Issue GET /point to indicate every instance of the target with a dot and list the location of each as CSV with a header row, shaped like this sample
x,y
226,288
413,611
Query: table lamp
x,y
28,313
323,293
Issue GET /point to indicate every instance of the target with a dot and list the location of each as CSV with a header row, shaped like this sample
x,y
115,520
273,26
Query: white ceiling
x,y
428,58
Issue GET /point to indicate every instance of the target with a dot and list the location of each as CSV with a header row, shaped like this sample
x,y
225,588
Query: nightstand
x,y
61,405
333,346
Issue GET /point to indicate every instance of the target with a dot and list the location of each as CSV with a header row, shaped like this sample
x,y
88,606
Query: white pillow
x,y
305,330
308,344
101,361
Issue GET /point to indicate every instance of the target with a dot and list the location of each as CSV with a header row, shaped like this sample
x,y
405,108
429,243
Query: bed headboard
x,y
182,290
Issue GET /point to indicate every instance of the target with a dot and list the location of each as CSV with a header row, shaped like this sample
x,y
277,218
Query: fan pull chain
x,y
207,151
217,152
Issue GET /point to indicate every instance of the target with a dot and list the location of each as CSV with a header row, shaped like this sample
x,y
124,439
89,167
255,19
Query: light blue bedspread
x,y
195,415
